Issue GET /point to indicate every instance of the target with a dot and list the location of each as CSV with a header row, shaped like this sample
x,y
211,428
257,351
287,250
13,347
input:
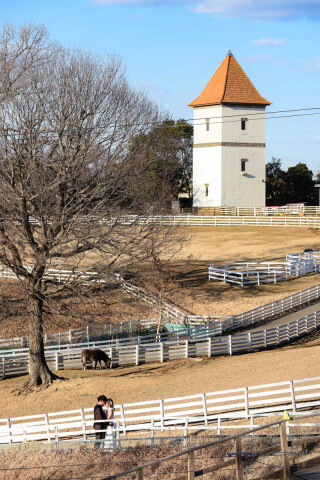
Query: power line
x,y
259,113
266,116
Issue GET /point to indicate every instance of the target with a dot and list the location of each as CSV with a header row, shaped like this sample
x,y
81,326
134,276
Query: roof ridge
x,y
225,82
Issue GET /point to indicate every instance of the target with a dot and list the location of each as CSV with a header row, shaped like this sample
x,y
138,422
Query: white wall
x,y
231,126
246,190
207,169
215,128
220,166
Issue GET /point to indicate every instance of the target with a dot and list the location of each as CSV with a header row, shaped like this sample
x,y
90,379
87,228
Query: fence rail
x,y
239,459
200,220
217,411
218,220
91,335
165,350
257,273
294,209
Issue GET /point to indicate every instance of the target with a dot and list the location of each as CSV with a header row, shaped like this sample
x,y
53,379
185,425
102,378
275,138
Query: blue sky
x,y
172,47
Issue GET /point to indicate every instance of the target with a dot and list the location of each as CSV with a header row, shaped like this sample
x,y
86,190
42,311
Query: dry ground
x,y
224,244
154,380
84,464
185,285
68,310
189,288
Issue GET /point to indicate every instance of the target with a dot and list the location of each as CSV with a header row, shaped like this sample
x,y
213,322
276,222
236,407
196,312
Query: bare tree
x,y
66,120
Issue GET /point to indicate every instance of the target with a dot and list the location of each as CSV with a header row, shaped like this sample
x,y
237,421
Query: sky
x,y
171,48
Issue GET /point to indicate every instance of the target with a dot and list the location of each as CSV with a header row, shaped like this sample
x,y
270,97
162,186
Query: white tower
x,y
229,140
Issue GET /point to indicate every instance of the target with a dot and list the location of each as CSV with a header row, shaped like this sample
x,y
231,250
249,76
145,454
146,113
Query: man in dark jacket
x,y
99,414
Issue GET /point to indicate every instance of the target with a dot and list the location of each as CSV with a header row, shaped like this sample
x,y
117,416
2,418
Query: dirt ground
x,y
231,244
154,380
190,289
186,285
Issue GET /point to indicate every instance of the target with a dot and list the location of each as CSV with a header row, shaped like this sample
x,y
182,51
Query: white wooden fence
x,y
86,335
215,410
257,273
161,351
216,220
249,221
293,209
270,309
90,336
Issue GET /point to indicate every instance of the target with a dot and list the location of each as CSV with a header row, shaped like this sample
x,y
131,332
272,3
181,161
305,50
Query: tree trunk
x,y
38,368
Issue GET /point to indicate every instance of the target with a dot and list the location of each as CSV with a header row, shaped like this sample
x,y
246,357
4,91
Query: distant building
x,y
229,143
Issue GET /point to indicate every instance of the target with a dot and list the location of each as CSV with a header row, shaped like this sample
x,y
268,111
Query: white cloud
x,y
269,41
260,11
311,65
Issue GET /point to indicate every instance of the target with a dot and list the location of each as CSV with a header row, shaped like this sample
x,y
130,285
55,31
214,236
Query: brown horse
x,y
96,356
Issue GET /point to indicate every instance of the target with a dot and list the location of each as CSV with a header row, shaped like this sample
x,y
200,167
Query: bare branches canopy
x,y
66,121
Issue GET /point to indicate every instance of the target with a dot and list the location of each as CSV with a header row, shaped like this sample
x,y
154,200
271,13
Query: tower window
x,y
243,123
243,164
207,189
207,124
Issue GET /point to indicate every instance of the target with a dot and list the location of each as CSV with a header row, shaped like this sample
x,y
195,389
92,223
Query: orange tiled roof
x,y
229,84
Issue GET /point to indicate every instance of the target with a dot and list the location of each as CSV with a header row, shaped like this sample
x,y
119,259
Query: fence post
x,y
205,412
9,429
209,347
186,429
230,344
46,419
3,368
152,433
137,354
161,352
110,356
249,341
57,436
84,431
117,440
57,361
293,400
187,348
239,465
140,474
219,427
252,425
161,415
123,420
246,401
191,475
284,447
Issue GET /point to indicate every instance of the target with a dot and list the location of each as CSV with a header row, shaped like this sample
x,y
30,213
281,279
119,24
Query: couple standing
x,y
103,414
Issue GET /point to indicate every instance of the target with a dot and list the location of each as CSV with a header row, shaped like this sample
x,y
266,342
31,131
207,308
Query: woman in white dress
x,y
110,411
110,434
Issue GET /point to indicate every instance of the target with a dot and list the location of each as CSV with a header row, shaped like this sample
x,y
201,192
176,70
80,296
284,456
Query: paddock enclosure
x,y
198,337
257,273
214,411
